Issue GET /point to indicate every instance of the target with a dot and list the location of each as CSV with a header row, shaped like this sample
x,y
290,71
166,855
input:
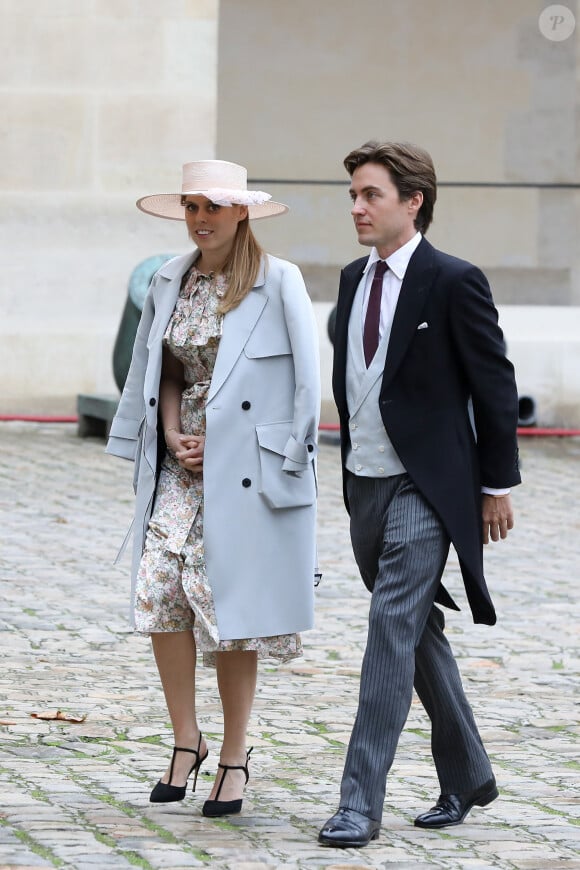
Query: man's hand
x,y
498,517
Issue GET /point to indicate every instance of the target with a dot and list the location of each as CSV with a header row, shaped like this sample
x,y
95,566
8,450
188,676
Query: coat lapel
x,y
349,282
165,293
237,327
371,376
414,289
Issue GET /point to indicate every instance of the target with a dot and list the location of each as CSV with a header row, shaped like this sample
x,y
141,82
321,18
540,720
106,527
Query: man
x,y
428,414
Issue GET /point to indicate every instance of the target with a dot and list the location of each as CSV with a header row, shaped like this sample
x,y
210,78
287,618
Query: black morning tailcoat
x,y
429,377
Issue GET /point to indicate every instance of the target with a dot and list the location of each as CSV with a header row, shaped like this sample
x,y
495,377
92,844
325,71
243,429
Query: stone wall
x,y
101,102
494,101
482,88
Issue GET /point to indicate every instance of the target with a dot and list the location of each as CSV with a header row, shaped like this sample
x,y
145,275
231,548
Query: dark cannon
x,y
95,412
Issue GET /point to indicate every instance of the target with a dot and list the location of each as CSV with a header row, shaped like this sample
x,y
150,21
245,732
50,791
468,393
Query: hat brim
x,y
168,206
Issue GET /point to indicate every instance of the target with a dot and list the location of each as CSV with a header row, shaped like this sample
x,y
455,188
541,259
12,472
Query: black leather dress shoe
x,y
349,829
451,809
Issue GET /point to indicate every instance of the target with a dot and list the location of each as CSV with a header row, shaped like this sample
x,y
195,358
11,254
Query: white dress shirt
x,y
392,280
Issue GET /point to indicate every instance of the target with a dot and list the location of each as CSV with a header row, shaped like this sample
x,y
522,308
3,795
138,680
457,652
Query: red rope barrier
x,y
533,431
37,418
544,431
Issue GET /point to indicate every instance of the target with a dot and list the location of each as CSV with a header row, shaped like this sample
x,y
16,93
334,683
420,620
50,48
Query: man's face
x,y
381,218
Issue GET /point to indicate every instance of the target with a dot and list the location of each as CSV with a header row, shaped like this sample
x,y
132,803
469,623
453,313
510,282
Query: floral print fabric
x,y
173,592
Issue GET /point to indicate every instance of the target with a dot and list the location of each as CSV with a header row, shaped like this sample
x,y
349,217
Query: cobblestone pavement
x,y
75,795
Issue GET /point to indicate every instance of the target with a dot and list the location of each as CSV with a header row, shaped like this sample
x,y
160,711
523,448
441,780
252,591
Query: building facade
x,y
103,100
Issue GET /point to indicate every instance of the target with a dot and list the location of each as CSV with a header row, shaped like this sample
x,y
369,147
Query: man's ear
x,y
415,202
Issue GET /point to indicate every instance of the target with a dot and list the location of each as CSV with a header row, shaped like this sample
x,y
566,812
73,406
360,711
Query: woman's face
x,y
213,227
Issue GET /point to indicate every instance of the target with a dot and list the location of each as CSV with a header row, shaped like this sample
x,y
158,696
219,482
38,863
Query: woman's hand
x,y
187,449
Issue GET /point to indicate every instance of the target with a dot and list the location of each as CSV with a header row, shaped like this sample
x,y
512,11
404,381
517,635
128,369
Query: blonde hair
x,y
241,266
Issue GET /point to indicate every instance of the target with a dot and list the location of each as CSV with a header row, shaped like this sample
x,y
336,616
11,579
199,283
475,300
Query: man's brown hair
x,y
411,170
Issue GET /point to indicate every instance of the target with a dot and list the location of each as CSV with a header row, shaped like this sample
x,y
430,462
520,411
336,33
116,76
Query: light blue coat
x,y
262,415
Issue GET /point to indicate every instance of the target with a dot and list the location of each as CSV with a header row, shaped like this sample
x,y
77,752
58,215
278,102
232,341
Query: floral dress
x,y
173,592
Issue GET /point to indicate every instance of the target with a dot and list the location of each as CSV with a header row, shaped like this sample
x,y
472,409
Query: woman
x,y
220,411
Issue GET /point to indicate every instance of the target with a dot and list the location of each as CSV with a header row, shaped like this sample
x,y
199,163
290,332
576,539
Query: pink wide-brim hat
x,y
221,182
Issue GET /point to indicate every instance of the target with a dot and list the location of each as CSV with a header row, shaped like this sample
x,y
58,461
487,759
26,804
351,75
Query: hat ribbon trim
x,y
225,196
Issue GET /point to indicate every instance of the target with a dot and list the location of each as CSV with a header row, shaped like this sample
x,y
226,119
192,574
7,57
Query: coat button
x,y
310,448
152,402
246,405
246,482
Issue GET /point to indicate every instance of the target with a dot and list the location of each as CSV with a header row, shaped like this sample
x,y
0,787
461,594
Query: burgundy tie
x,y
371,329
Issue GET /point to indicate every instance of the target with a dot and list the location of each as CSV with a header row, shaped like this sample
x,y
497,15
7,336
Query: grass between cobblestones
x,y
34,846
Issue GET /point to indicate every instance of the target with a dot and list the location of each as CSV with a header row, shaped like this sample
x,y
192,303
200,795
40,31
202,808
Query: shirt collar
x,y
399,259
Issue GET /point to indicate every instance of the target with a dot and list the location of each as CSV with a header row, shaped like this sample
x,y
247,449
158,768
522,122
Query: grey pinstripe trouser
x,y
401,549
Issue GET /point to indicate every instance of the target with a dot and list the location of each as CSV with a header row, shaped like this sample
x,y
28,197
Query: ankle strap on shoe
x,y
226,767
195,752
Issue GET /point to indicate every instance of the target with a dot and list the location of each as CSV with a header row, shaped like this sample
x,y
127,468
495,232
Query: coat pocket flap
x,y
275,343
277,487
274,436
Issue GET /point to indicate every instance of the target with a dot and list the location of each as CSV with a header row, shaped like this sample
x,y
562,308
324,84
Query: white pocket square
x,y
423,325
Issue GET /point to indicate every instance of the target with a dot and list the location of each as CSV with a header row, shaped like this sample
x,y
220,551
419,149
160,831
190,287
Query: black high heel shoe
x,y
225,808
164,792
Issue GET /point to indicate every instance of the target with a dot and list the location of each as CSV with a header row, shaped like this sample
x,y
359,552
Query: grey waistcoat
x,y
371,453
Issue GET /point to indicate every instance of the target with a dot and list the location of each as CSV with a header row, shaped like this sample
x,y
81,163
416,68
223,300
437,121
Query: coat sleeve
x,y
127,422
481,347
301,447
